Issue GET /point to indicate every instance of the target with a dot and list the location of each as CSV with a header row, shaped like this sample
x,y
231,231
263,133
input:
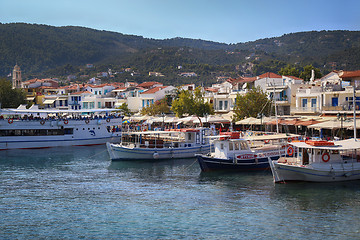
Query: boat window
x,y
221,146
231,148
243,146
236,147
189,136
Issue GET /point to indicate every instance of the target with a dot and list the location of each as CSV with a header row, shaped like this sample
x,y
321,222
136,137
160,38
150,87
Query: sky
x,y
225,21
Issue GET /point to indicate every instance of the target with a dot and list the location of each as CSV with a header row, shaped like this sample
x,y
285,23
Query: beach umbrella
x,y
126,121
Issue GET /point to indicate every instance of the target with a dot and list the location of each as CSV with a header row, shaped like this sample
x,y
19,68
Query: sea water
x,y
78,193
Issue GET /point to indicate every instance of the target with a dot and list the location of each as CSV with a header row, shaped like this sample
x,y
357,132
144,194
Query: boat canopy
x,y
33,111
347,144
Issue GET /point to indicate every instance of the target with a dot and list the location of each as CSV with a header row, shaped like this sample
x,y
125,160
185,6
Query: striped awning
x,y
49,101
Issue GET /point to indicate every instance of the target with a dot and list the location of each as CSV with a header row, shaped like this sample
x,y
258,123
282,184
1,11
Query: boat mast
x,y
277,123
354,107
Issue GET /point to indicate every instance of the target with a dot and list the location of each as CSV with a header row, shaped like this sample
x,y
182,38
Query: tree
x,y
289,71
157,108
251,104
9,97
191,103
306,73
125,109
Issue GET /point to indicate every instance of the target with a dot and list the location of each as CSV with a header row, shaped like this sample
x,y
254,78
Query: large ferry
x,y
24,128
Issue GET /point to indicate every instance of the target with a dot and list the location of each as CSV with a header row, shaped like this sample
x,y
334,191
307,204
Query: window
x,y
231,146
304,103
220,105
334,101
99,104
225,105
313,103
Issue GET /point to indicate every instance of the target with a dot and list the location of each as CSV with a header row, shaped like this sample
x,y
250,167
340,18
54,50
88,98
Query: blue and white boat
x,y
244,154
150,145
26,128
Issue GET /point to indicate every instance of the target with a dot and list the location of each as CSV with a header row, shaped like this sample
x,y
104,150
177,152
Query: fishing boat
x,y
149,145
319,161
26,128
236,153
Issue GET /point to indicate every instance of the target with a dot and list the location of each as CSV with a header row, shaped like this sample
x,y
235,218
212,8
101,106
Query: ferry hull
x,y
333,173
118,152
83,133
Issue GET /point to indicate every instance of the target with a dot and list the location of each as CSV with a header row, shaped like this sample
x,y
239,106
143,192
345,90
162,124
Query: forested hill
x,y
38,48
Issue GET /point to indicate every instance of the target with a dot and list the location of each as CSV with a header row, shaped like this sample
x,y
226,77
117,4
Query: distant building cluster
x,y
328,95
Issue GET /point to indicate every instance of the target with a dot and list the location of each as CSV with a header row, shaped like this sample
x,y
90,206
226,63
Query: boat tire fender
x,y
66,121
108,120
87,121
10,120
42,122
156,155
290,151
325,157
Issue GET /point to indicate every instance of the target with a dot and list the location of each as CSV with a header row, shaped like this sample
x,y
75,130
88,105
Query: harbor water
x,y
78,193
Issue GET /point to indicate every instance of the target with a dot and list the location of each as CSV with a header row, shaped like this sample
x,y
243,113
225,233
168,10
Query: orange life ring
x,y
290,151
42,122
325,157
108,120
66,121
10,120
87,121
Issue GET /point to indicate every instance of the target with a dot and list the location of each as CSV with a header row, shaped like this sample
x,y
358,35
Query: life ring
x,y
290,151
87,121
10,120
108,120
266,141
325,157
42,122
66,121
289,139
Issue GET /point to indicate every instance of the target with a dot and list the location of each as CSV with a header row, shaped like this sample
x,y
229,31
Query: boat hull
x,y
118,152
212,164
317,173
81,133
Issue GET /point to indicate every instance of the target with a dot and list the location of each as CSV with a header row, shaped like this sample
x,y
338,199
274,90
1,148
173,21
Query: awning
x,y
276,90
62,98
30,98
49,101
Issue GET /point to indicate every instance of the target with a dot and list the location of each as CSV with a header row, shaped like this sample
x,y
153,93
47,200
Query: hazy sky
x,y
229,21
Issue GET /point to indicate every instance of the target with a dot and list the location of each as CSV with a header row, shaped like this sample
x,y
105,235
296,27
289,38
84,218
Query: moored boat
x,y
24,128
149,145
319,161
244,154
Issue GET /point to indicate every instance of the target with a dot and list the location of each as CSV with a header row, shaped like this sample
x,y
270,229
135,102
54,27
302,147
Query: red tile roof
x,y
148,84
350,74
154,90
269,75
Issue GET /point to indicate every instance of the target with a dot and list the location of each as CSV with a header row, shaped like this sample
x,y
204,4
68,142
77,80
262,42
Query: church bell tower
x,y
16,77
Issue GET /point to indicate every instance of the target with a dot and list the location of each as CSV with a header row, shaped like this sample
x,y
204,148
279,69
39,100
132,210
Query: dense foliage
x,y
253,103
47,51
10,98
157,108
191,103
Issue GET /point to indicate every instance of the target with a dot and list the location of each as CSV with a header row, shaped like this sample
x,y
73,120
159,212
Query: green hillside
x,y
43,50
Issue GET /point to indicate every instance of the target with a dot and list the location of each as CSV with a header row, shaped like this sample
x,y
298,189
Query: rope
x,y
97,153
190,165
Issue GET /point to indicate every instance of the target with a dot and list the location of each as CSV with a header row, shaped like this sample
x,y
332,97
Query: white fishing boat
x,y
24,128
319,161
181,143
247,153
